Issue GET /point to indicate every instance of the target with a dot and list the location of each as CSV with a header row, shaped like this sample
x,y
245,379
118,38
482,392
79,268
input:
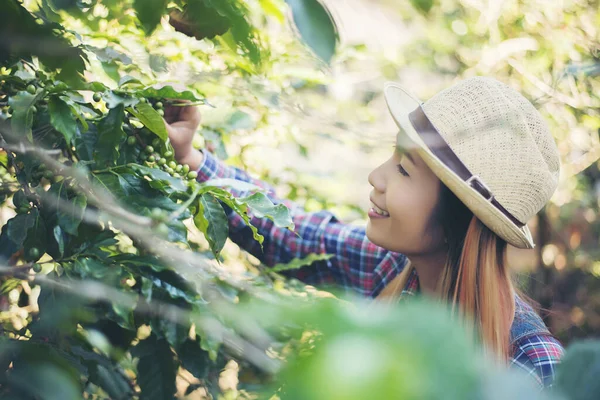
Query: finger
x,y
190,114
171,113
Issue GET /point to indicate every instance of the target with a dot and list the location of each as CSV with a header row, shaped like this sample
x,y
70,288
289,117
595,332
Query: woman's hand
x,y
182,123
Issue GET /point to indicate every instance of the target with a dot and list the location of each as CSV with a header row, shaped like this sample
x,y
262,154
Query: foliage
x,y
117,275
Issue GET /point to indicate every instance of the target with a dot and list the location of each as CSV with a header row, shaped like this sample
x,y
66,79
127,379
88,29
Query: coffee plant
x,y
115,268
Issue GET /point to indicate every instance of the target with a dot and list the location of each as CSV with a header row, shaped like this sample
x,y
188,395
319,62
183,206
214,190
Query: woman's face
x,y
406,192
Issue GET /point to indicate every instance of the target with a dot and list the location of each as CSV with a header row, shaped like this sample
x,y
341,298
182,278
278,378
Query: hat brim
x,y
400,103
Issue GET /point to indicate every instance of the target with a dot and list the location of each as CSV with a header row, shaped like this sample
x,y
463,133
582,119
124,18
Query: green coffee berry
x,y
37,268
161,112
149,149
172,164
97,97
162,229
168,154
143,100
157,214
131,140
176,175
162,161
48,174
33,253
186,168
31,89
151,158
178,167
192,175
33,109
159,104
169,170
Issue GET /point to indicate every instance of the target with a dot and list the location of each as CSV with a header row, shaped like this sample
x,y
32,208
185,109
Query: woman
x,y
471,166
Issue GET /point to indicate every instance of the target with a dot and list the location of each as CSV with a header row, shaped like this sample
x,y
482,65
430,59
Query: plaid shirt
x,y
359,265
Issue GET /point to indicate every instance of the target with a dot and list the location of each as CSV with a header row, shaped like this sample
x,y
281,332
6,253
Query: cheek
x,y
408,229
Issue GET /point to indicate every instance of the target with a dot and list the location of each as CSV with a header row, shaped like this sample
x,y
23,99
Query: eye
x,y
402,170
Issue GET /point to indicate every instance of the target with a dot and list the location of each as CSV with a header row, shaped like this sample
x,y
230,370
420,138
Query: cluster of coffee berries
x,y
21,202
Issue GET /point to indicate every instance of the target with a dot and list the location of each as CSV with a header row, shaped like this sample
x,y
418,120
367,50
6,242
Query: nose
x,y
377,179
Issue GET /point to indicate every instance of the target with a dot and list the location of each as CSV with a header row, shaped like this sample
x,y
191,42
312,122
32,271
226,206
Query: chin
x,y
369,235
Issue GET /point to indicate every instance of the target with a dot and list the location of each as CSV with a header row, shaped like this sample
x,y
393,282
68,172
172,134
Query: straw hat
x,y
488,144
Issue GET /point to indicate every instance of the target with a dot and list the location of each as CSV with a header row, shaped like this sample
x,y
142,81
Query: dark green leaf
x,y
149,13
110,134
46,380
212,221
62,118
156,369
18,226
70,214
316,26
194,359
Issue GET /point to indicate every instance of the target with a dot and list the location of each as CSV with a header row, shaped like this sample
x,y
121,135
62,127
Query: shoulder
x,y
538,355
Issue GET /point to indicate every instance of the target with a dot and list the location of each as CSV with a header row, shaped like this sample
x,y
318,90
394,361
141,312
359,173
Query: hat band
x,y
444,153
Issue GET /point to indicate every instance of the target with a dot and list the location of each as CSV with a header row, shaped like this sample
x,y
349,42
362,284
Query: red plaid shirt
x,y
359,265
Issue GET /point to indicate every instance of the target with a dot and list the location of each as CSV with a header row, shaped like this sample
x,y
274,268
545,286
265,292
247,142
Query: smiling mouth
x,y
380,211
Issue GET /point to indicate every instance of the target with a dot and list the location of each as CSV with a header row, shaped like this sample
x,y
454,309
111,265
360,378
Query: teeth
x,y
379,210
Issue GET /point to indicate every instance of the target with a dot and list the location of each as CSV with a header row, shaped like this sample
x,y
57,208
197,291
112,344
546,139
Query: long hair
x,y
475,279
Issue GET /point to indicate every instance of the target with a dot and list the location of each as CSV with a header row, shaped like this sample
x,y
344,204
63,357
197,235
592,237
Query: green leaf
x,y
68,218
110,134
37,235
212,221
60,240
194,359
262,207
62,118
160,179
22,118
45,380
145,261
149,12
156,369
114,99
168,92
423,6
240,120
111,381
238,207
18,226
316,26
577,374
151,119
300,262
125,314
271,7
